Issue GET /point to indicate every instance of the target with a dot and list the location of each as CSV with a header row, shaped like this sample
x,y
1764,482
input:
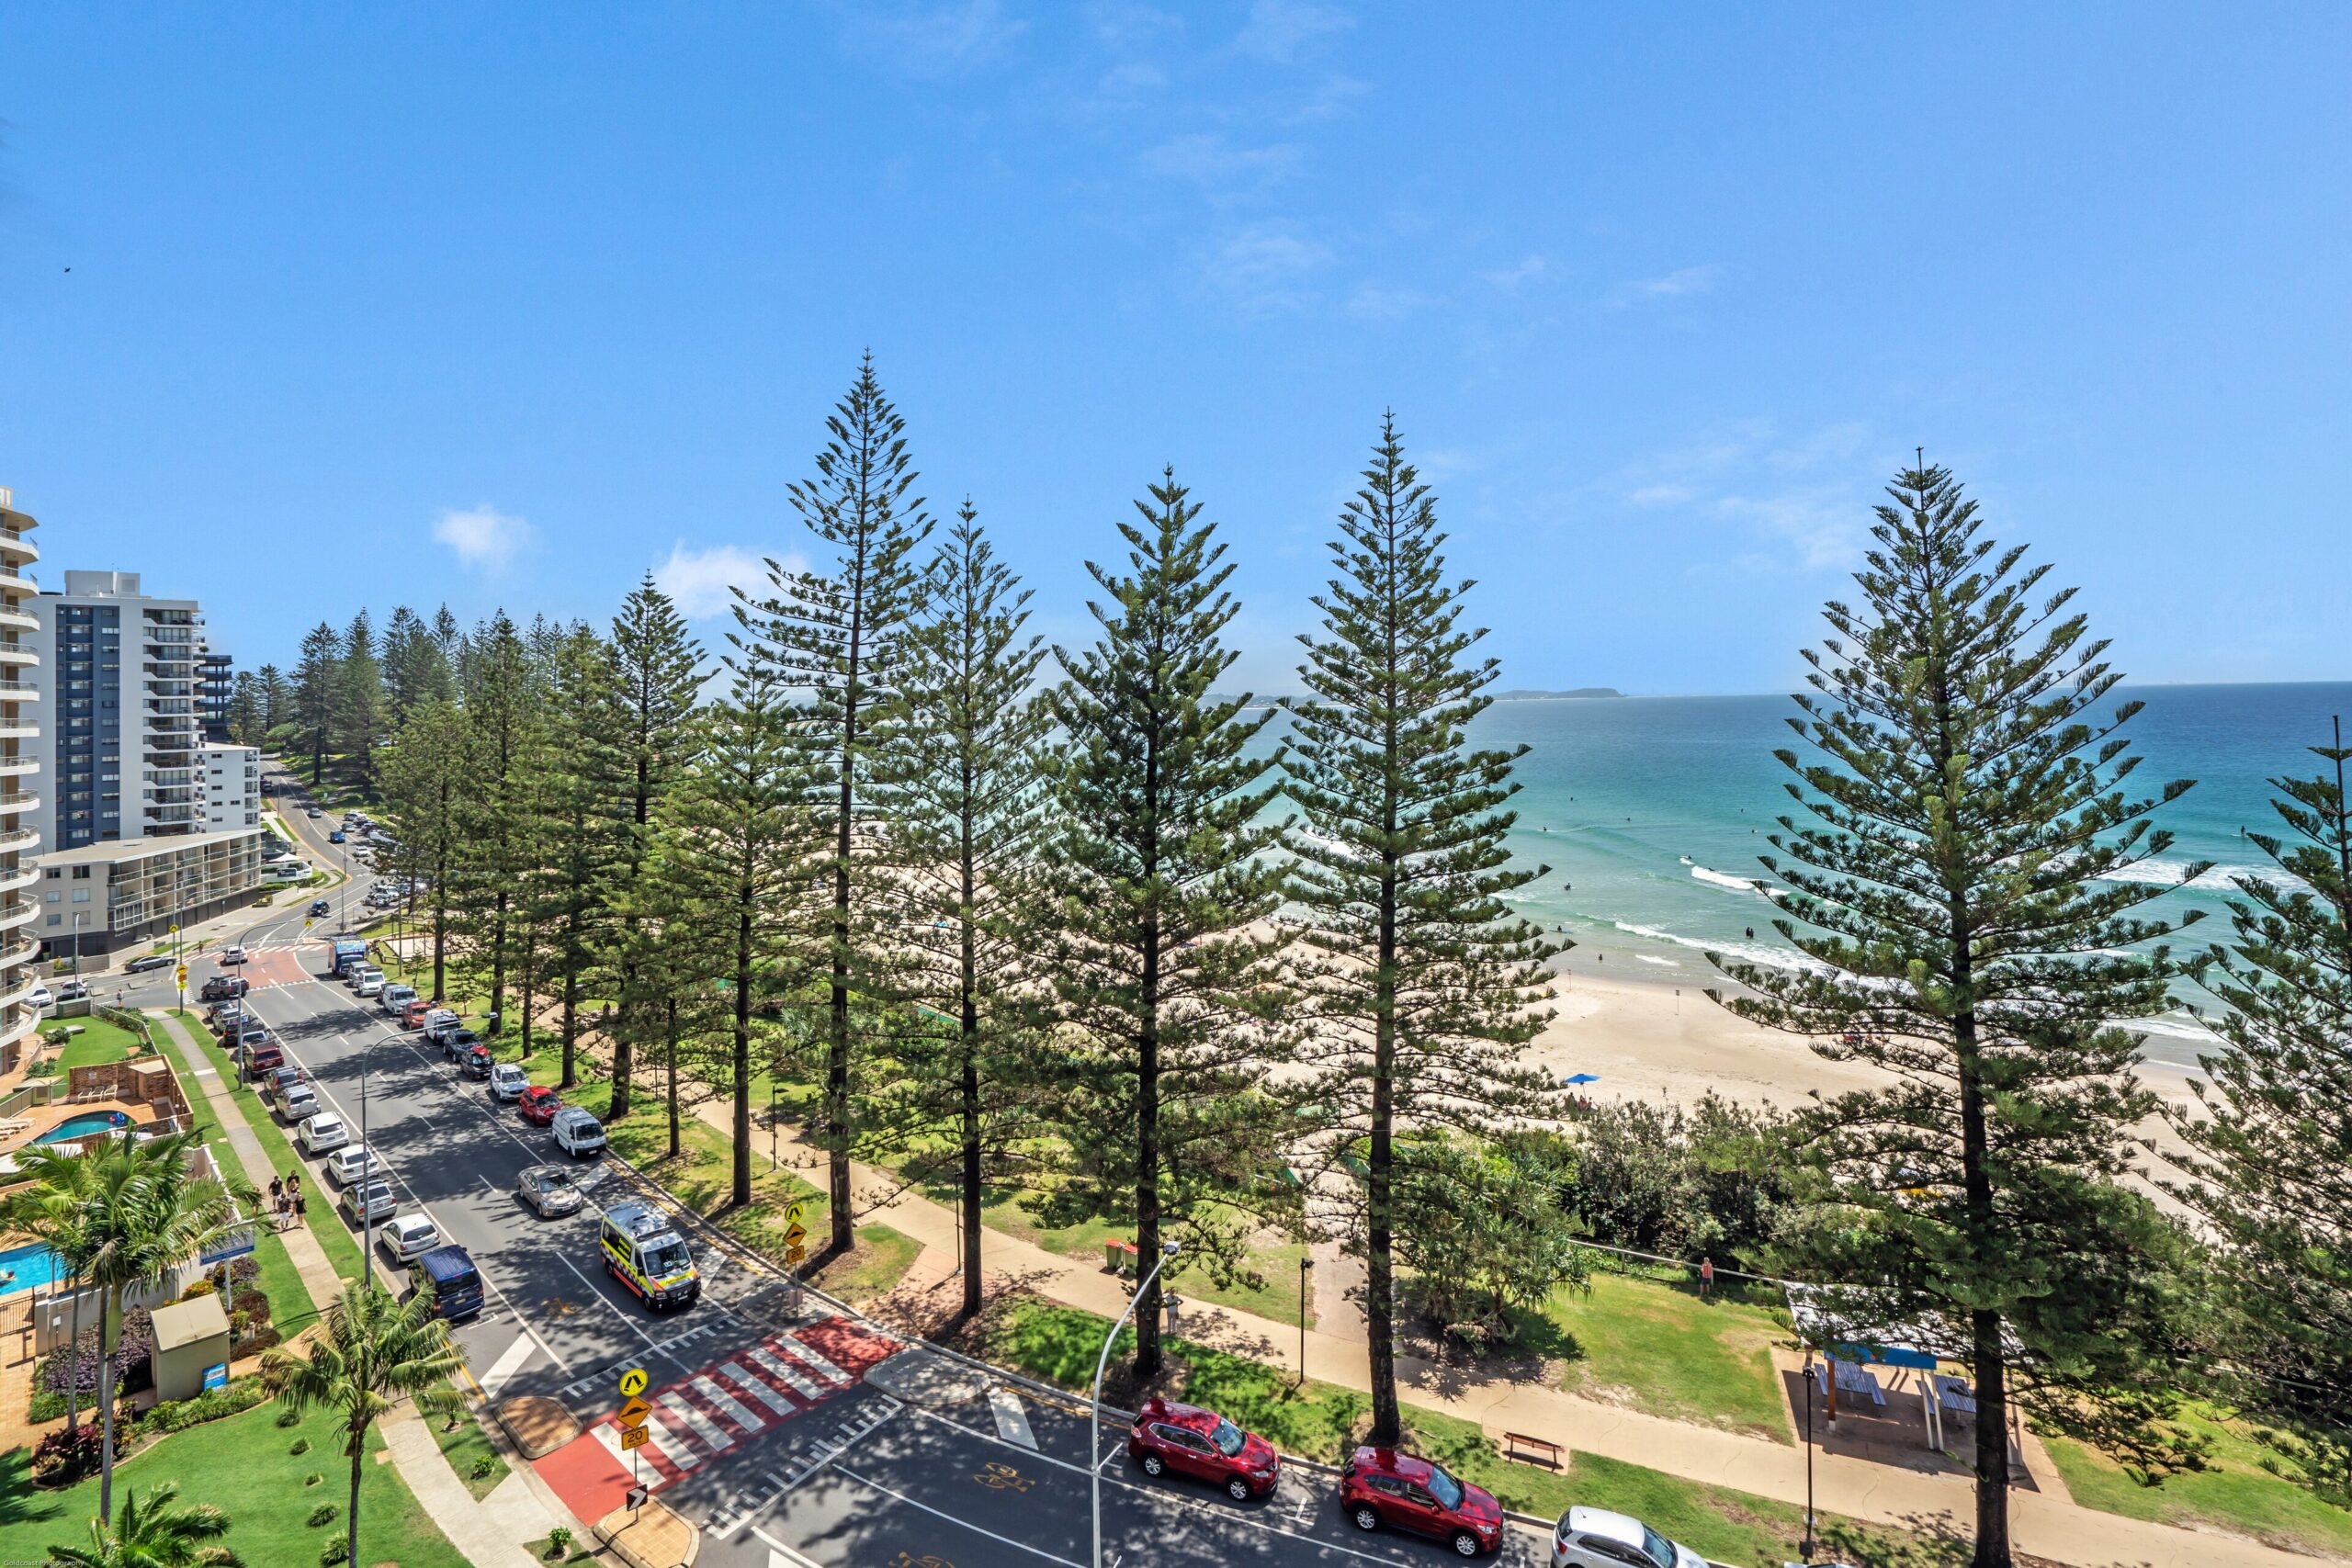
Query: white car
x,y
409,1236
359,974
299,1102
371,983
324,1132
508,1081
577,1133
1595,1538
396,997
352,1163
40,996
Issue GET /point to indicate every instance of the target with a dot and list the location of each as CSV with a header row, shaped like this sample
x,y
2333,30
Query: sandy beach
x,y
1658,1034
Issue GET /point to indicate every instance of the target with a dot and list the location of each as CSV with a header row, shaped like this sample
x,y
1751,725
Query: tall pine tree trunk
x,y
570,1030
498,964
741,1193
837,1044
1147,1355
670,1009
1380,1186
970,1096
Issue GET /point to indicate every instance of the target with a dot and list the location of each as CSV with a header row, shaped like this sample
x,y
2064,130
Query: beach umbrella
x,y
1580,1077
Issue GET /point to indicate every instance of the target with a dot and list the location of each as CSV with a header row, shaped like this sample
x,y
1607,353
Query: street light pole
x,y
1306,1270
1807,1550
1168,1249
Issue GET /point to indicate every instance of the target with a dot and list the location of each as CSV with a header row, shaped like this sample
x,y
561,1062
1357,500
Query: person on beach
x,y
1706,1276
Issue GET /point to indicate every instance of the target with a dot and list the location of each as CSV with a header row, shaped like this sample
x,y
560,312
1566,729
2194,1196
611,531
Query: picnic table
x,y
1954,1395
1852,1379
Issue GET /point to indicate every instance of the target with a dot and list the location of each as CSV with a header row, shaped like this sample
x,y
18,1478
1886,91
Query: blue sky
x,y
504,305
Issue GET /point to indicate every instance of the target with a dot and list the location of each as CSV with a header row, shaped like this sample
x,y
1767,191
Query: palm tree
x,y
144,1214
156,1535
369,1349
50,1211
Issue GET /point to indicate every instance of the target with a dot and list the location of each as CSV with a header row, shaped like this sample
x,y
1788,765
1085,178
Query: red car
x,y
1387,1486
538,1105
1201,1443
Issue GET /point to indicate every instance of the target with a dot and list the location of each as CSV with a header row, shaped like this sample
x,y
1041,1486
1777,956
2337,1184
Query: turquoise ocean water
x,y
1651,812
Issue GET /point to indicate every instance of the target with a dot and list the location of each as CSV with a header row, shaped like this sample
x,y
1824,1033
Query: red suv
x,y
538,1105
1384,1487
1193,1441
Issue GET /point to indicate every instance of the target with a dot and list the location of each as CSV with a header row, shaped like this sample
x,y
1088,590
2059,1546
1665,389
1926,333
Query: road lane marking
x,y
817,1363
702,1426
508,1365
742,1377
609,1435
964,1524
734,1409
790,1375
673,1442
1012,1421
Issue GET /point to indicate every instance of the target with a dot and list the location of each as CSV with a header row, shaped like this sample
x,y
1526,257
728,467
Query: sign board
x,y
632,1382
633,1413
794,1233
182,972
237,1243
632,1438
795,1255
795,1214
216,1375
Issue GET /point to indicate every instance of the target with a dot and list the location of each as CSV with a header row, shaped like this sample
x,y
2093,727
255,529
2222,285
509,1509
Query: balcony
x,y
16,654
14,581
164,813
17,800
17,839
18,620
17,546
18,692
20,913
19,728
15,988
18,767
14,876
14,953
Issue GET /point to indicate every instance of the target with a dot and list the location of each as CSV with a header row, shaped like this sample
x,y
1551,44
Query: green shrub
x,y
559,1540
337,1551
286,1417
301,1446
321,1514
312,1479
174,1414
483,1466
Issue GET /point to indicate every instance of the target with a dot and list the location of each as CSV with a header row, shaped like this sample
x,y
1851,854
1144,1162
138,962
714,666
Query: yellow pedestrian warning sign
x,y
632,1382
632,1438
182,972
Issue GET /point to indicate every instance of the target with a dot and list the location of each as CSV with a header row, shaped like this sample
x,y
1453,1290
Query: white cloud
x,y
1674,285
1660,495
1125,24
1378,303
1331,98
703,581
1278,30
933,40
1826,525
481,535
1218,166
1525,268
1266,267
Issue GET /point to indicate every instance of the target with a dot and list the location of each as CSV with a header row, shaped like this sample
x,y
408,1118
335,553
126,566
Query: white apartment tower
x,y
19,764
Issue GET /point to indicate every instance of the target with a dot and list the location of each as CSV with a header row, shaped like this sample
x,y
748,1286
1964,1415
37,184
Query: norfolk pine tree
x,y
962,788
358,702
2270,1140
737,853
426,778
658,679
834,638
1422,984
314,694
582,793
502,702
1956,889
1155,868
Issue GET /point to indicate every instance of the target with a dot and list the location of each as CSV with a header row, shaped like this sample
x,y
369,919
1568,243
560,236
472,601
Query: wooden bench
x,y
1538,1450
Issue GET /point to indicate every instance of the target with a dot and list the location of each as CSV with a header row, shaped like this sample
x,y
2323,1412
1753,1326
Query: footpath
x,y
488,1532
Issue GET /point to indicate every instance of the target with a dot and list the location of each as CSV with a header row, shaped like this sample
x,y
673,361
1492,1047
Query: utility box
x,y
191,1337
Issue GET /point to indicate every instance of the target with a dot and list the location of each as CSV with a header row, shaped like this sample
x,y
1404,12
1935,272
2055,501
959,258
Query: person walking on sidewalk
x,y
1706,1276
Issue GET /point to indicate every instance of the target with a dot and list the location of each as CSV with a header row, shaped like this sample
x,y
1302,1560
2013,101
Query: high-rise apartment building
x,y
19,782
123,721
232,786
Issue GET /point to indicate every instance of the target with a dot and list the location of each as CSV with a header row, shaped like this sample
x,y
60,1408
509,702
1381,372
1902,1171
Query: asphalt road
x,y
782,1465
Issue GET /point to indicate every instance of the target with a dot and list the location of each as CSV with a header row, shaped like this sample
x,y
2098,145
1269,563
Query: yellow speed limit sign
x,y
632,1382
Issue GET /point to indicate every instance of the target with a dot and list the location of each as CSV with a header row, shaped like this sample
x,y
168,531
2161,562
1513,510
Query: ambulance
x,y
644,1252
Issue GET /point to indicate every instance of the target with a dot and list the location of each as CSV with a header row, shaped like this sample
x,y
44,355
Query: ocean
x,y
1650,813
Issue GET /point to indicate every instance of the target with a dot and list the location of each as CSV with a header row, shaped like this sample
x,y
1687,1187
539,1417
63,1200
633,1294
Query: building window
x,y
81,895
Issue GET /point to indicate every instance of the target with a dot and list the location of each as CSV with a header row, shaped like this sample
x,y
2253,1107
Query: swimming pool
x,y
82,1125
34,1265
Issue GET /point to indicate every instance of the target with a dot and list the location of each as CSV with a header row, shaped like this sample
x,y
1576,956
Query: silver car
x,y
368,1201
549,1190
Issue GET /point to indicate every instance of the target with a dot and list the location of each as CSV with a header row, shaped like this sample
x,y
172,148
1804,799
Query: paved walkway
x,y
2046,1522
488,1532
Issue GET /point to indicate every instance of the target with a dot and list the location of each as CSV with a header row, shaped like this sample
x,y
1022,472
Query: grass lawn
x,y
1321,1420
242,1465
467,1447
1657,1348
289,1300
341,1247
2235,1494
94,1041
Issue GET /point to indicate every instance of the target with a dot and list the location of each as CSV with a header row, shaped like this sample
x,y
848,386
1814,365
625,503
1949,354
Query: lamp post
x,y
1807,1552
1306,1272
1168,1249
